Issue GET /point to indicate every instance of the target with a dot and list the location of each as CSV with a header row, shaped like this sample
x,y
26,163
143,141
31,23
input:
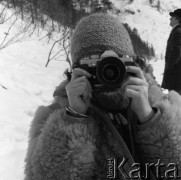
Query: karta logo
x,y
141,171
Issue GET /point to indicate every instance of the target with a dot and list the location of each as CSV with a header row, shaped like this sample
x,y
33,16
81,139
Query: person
x,y
172,72
98,129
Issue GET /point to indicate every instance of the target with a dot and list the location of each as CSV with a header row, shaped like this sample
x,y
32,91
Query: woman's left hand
x,y
136,88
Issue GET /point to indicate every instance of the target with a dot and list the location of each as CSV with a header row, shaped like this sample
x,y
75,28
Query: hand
x,y
136,88
79,91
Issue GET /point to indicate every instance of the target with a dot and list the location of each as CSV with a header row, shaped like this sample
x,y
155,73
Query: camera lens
x,y
110,72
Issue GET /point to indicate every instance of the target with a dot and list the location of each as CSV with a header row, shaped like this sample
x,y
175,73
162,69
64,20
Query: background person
x,y
172,72
73,138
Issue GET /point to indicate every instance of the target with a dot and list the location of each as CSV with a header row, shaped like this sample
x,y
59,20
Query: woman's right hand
x,y
79,91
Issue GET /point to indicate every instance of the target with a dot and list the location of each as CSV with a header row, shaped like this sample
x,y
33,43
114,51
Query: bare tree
x,y
54,16
17,30
61,47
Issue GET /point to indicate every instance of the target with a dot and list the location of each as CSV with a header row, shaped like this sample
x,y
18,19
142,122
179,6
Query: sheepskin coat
x,y
65,148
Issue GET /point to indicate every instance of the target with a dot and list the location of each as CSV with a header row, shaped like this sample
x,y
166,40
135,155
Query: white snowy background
x,y
25,83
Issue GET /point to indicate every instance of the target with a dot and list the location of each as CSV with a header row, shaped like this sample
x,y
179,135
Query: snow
x,y
25,83
29,84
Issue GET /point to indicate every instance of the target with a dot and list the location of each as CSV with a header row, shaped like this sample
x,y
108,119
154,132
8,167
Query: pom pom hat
x,y
97,33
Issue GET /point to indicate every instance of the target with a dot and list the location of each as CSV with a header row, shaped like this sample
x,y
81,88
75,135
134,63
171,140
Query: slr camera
x,y
108,72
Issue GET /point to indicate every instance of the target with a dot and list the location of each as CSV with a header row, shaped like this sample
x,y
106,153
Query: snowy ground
x,y
25,83
158,67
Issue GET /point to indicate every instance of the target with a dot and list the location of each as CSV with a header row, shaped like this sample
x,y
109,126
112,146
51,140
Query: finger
x,y
82,79
77,72
134,87
79,84
136,70
132,93
82,85
135,81
79,79
81,90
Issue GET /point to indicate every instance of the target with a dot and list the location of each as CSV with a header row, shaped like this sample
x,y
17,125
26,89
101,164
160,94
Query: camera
x,y
108,72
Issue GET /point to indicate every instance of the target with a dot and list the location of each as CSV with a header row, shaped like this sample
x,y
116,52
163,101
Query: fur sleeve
x,y
60,148
161,137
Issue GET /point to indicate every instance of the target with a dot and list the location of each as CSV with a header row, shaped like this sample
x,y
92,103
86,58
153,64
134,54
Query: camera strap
x,y
118,137
103,116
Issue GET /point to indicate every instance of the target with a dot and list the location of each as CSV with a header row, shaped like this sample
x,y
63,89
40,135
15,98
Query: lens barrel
x,y
111,72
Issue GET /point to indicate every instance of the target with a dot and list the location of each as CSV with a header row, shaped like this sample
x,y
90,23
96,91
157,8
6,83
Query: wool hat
x,y
97,33
176,12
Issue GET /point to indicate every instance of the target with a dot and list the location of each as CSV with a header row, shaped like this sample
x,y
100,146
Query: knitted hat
x,y
97,33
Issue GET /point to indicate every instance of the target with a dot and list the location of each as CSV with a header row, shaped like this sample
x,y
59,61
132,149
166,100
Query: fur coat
x,y
65,148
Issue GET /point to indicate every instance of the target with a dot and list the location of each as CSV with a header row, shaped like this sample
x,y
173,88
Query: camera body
x,y
108,72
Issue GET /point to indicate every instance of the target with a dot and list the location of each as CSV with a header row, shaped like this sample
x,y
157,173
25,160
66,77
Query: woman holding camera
x,y
99,132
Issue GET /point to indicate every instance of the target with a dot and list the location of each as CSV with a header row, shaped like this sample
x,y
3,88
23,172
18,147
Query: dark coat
x,y
172,73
